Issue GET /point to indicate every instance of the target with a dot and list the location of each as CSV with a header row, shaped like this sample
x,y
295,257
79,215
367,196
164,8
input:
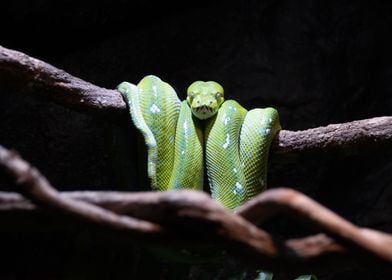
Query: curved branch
x,y
174,217
35,186
189,216
73,92
153,206
185,211
300,207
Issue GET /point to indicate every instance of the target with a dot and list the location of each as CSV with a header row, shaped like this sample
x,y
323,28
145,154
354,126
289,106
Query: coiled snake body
x,y
181,136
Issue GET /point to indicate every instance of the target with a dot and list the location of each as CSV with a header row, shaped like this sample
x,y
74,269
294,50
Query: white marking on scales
x,y
238,188
227,141
264,131
154,90
154,109
185,126
232,108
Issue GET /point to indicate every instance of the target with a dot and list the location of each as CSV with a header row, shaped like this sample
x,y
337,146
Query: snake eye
x,y
218,95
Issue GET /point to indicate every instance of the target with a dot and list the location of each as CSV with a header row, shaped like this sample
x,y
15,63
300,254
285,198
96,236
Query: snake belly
x,y
175,153
235,141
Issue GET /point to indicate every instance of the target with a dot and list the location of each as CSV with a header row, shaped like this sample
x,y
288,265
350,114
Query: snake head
x,y
205,98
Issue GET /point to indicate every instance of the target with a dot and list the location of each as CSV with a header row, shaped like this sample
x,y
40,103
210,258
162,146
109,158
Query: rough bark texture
x,y
365,133
58,85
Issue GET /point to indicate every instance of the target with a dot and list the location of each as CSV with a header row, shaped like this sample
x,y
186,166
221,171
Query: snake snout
x,y
204,109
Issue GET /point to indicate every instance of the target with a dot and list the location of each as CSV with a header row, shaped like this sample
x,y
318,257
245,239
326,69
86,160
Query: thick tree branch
x,y
188,216
351,134
58,85
73,92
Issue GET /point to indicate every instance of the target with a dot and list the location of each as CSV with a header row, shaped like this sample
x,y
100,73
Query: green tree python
x,y
203,130
183,137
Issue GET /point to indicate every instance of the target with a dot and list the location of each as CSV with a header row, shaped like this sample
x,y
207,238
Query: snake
x,y
202,135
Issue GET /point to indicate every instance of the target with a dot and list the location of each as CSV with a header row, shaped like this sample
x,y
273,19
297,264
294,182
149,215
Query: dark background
x,y
317,62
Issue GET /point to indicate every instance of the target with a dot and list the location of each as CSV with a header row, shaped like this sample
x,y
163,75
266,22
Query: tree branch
x,y
185,217
58,85
36,187
300,207
374,131
73,92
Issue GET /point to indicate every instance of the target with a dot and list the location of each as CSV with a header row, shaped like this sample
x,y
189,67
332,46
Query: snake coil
x,y
235,142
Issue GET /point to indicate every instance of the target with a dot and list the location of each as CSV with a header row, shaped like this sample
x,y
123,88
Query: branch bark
x,y
58,85
300,207
185,217
73,92
37,188
374,131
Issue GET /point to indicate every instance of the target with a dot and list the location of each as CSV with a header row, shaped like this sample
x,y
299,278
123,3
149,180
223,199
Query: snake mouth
x,y
203,112
204,109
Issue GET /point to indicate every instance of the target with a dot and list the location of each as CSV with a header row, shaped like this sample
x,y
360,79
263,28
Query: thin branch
x,y
36,187
73,92
186,212
182,217
154,207
300,207
178,209
192,216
